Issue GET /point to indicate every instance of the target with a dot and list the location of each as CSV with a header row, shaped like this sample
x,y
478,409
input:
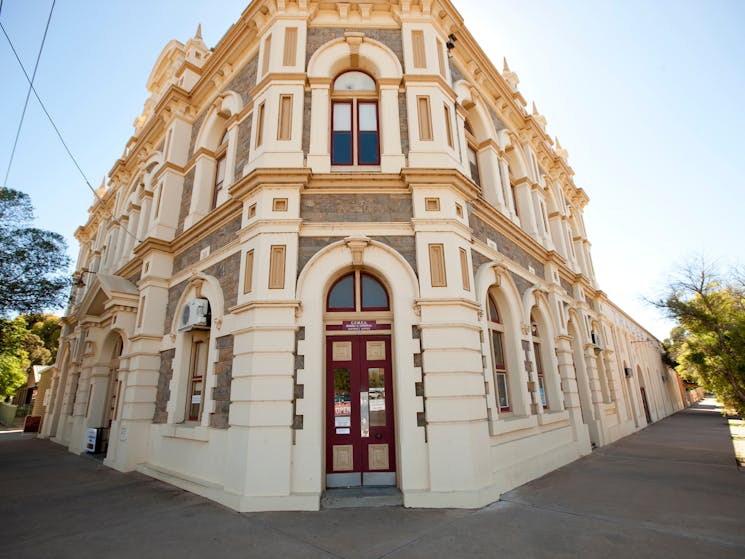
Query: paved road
x,y
672,490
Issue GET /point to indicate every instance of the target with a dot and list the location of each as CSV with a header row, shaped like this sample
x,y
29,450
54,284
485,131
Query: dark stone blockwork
x,y
308,246
356,207
483,231
164,382
215,240
223,379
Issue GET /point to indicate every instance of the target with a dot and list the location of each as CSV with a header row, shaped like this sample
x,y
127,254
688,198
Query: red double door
x,y
360,443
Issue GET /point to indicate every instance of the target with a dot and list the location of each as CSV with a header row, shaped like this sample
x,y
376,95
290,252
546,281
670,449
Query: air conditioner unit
x,y
195,314
628,371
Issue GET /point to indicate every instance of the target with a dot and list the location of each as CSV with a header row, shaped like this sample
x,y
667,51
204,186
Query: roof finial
x,y
505,66
535,110
560,151
199,31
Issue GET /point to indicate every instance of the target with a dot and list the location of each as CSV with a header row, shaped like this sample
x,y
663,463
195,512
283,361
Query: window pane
x,y
496,338
493,314
542,388
502,397
342,396
538,360
354,81
368,148
373,294
368,115
474,166
342,117
342,294
341,151
376,386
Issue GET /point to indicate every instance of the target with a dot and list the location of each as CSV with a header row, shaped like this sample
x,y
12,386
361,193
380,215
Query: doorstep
x,y
361,497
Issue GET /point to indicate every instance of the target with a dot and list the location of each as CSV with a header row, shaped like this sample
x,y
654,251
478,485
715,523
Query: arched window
x,y
197,375
499,362
358,291
537,347
355,139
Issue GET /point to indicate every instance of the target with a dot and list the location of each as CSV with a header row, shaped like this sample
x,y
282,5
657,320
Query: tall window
x,y
496,338
222,151
355,139
197,376
539,361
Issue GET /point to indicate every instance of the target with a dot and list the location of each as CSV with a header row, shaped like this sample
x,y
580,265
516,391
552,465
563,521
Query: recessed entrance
x,y
360,432
359,414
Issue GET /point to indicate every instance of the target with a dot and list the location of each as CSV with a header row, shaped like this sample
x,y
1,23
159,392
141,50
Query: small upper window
x,y
354,81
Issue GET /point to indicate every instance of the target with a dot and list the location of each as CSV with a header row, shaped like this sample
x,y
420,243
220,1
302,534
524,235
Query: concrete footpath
x,y
671,490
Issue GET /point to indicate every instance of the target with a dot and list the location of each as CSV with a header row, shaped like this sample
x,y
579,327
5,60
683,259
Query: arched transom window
x,y
355,139
355,292
499,362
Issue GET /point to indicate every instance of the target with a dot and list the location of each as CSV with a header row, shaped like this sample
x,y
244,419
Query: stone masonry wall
x,y
356,207
223,372
164,383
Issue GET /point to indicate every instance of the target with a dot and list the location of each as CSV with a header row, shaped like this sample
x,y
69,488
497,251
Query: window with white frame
x,y
499,361
355,137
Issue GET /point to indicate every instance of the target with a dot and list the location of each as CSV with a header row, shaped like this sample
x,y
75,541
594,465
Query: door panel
x,y
360,443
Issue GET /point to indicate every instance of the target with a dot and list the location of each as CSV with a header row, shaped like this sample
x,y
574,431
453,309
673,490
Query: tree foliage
x,y
12,376
708,342
24,342
33,262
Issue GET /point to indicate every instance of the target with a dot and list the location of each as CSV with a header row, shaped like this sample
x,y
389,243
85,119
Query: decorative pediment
x,y
109,291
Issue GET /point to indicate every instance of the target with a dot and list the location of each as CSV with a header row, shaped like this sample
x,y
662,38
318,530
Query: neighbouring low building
x,y
339,251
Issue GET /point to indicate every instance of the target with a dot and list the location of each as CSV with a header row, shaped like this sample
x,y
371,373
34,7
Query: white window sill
x,y
187,431
548,417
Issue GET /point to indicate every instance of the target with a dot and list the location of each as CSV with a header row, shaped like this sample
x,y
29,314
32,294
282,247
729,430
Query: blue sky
x,y
647,97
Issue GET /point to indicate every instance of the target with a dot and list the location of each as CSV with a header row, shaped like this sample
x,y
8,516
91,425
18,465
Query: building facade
x,y
339,251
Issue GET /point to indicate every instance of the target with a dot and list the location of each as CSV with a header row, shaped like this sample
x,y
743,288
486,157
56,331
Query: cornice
x,y
269,177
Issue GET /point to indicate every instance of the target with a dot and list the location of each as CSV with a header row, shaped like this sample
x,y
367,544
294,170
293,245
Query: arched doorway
x,y
360,431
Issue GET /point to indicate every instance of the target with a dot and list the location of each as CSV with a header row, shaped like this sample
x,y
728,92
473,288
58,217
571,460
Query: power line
x,y
28,93
59,134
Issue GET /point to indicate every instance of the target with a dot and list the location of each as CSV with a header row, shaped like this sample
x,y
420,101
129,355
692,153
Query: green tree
x,y
708,342
12,376
33,262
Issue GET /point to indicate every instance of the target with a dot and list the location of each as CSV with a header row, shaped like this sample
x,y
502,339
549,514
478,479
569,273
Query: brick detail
x,y
403,116
405,246
244,146
318,36
566,285
521,283
356,207
185,200
223,372
478,260
308,246
245,80
174,294
215,240
306,121
227,272
195,128
164,385
482,231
